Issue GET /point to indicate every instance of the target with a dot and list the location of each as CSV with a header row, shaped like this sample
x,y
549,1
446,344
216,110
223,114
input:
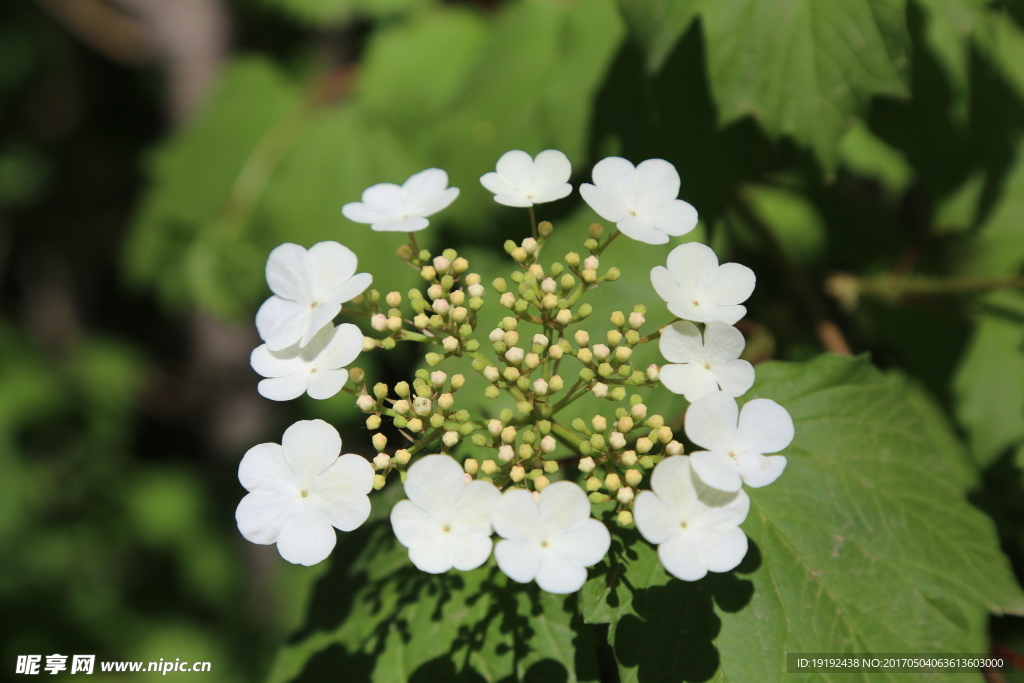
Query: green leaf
x,y
989,384
999,249
805,68
865,544
865,154
790,217
378,618
657,25
326,12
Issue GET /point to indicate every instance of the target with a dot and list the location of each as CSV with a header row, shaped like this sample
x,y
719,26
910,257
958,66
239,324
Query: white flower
x,y
642,201
317,368
706,365
697,288
695,527
735,453
392,208
309,288
446,522
523,181
300,489
551,538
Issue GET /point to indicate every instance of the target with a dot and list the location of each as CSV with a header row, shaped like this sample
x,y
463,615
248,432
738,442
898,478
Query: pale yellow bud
x,y
593,484
450,439
450,344
378,482
624,518
402,456
599,422
506,453
381,461
517,473
624,495
556,383
644,445
612,482
587,465
471,466
617,440
380,441
541,483
489,467
628,458
674,448
634,477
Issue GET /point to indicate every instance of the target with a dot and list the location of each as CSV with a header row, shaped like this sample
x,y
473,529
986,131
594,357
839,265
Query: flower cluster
x,y
525,474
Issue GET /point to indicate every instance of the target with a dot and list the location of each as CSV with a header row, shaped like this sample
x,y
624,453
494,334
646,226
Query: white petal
x,y
731,284
551,193
345,512
729,315
284,388
282,323
413,526
432,558
344,347
616,177
657,181
604,205
717,509
319,317
642,230
264,468
723,549
325,383
307,538
288,272
495,184
711,422
330,265
681,559
674,218
761,470
585,545
517,201
435,484
423,188
517,516
722,343
717,470
350,476
735,377
681,343
475,507
551,167
469,551
311,446
386,198
666,286
519,560
690,379
441,201
692,265
398,224
261,516
350,289
765,426
559,574
671,481
516,169
563,505
276,363
357,212
655,520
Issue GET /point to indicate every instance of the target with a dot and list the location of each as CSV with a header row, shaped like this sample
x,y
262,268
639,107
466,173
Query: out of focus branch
x,y
811,302
104,27
849,289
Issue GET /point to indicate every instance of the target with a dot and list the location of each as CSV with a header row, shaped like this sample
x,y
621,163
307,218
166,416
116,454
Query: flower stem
x,y
847,289
533,222
566,434
610,239
415,247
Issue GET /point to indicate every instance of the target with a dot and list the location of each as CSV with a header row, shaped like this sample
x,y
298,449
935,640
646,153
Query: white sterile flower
x,y
309,288
737,442
403,208
696,288
695,527
300,489
446,522
551,539
704,365
523,181
642,201
317,368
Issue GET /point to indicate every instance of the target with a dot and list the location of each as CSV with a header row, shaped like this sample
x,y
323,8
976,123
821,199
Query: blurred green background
x,y
865,157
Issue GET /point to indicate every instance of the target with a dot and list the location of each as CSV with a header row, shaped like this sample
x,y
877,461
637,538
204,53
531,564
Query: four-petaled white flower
x,y
523,181
403,208
704,366
551,538
695,527
446,522
301,490
642,201
317,368
696,288
737,442
309,288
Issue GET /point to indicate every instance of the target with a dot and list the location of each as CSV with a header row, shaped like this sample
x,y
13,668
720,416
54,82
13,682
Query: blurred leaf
x,y
1000,239
958,212
989,383
400,624
23,176
867,155
805,68
657,25
326,12
875,487
791,217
